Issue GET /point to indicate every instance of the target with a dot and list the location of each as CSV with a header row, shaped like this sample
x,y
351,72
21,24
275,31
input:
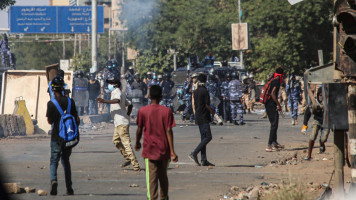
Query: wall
x,y
32,86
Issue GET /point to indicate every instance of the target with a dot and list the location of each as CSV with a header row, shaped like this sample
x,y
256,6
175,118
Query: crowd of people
x,y
207,98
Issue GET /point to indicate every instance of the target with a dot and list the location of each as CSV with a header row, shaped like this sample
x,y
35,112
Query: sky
x,y
4,14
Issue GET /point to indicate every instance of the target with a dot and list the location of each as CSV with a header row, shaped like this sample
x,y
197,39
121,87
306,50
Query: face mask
x,y
111,87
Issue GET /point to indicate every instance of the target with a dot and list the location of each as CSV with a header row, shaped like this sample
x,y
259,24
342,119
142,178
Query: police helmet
x,y
228,75
212,71
160,76
80,74
109,64
235,75
60,73
57,83
195,75
149,75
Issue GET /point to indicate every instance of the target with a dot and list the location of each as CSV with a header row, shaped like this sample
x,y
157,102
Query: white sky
x,y
4,15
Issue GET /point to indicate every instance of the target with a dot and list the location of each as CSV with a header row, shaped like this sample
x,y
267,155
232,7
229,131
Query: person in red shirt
x,y
156,123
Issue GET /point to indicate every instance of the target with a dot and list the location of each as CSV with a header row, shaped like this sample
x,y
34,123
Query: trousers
x,y
156,172
273,116
205,138
57,153
237,108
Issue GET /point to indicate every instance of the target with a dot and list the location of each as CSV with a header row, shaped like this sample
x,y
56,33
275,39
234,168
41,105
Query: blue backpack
x,y
68,128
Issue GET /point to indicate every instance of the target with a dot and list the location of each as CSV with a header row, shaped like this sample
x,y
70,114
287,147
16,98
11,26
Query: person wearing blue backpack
x,y
63,116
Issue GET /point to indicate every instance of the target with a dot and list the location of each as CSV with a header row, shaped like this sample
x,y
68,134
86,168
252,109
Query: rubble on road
x,y
42,193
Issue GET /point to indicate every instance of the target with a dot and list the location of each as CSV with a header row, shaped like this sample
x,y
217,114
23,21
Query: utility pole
x,y
241,54
94,31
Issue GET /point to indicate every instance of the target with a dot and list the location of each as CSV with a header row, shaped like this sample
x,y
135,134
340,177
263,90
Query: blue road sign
x,y
53,19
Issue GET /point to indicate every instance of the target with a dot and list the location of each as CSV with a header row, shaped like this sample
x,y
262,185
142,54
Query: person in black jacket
x,y
57,152
317,126
94,91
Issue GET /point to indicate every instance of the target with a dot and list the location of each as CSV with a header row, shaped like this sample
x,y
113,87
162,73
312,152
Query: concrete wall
x,y
32,86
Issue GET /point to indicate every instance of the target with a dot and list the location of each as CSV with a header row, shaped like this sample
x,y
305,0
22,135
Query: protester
x,y
317,126
202,111
57,150
156,121
121,116
293,90
272,108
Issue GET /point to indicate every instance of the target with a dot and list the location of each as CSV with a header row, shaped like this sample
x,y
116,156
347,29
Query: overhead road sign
x,y
53,19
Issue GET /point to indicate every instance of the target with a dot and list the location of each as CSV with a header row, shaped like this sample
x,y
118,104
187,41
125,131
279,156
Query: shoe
x,y
54,185
236,123
137,169
322,148
269,148
194,158
306,158
125,164
207,163
70,191
277,145
304,130
293,122
242,123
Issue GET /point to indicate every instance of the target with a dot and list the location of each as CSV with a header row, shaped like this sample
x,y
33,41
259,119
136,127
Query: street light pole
x,y
94,37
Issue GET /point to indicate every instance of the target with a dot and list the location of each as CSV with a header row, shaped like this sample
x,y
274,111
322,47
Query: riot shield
x,y
80,92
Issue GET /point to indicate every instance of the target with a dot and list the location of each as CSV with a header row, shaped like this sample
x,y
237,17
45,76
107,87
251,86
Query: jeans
x,y
56,154
93,107
273,116
206,137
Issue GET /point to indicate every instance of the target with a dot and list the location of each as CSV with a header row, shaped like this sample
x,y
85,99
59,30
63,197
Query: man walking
x,y
203,110
57,151
156,121
121,118
272,109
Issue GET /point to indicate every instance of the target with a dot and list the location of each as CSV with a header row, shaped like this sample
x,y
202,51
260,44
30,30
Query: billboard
x,y
53,19
239,36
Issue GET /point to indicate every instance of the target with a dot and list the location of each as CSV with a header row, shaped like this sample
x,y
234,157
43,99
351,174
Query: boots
x,y
304,130
264,115
236,123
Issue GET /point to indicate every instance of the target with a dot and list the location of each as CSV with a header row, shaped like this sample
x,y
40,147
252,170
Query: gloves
x,y
217,118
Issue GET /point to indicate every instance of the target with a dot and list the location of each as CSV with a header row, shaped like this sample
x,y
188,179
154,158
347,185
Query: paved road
x,y
95,162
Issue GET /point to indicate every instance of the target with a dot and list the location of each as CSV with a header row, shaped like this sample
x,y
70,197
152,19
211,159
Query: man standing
x,y
167,86
226,98
293,90
80,92
94,91
187,98
272,109
121,118
4,47
156,122
235,93
202,118
57,151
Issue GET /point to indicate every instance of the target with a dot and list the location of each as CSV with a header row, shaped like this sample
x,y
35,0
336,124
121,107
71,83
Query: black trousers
x,y
205,136
273,116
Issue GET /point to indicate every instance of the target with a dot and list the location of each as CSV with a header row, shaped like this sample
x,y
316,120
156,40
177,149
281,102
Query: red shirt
x,y
155,120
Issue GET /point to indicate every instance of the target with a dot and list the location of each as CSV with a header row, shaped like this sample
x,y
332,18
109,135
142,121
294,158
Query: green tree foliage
x,y
5,3
280,34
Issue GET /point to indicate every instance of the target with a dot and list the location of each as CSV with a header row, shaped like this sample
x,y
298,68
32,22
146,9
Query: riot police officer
x,y
4,48
80,92
235,92
187,98
293,90
167,86
224,88
94,91
214,91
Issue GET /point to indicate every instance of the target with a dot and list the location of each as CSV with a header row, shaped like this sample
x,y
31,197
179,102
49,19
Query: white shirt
x,y
118,110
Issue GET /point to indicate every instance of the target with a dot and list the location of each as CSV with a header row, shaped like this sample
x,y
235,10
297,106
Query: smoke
x,y
137,16
138,12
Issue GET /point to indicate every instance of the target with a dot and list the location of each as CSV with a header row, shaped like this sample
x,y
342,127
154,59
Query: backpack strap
x,y
69,105
55,102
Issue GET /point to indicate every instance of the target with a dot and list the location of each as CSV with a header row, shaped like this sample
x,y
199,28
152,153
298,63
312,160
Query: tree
x,y
5,3
280,34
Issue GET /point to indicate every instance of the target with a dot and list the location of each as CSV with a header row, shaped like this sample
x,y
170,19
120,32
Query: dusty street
x,y
237,151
